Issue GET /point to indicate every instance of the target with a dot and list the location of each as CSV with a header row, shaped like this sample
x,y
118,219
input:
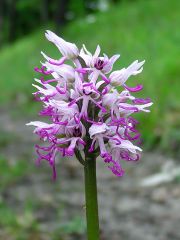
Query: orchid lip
x,y
48,81
142,100
105,79
104,91
134,89
92,121
76,119
81,70
135,109
71,103
42,70
61,123
61,91
87,84
58,63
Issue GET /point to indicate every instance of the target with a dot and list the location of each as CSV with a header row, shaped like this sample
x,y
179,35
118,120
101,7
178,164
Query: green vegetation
x,y
11,172
140,30
21,222
75,226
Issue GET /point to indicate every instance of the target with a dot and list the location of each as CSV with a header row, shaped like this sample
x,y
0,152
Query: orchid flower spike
x,y
85,111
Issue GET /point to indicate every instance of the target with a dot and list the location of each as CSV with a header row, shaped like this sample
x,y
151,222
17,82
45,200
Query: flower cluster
x,y
89,107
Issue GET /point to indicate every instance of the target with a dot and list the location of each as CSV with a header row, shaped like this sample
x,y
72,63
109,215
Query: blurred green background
x,y
137,29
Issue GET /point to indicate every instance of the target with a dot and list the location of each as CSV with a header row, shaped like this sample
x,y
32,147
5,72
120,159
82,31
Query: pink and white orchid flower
x,y
119,77
98,66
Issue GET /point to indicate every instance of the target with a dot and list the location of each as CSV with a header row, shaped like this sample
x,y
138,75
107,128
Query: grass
x,y
24,225
137,30
20,220
11,172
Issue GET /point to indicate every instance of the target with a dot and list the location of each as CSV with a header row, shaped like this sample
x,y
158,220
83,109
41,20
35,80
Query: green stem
x,y
91,198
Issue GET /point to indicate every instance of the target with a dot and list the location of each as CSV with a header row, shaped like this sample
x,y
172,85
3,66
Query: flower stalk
x,y
91,197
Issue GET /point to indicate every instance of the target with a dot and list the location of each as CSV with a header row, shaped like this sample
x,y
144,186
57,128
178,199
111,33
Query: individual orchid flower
x,y
74,136
98,133
63,111
97,65
67,49
65,71
47,131
126,150
119,77
85,92
128,109
48,91
113,97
